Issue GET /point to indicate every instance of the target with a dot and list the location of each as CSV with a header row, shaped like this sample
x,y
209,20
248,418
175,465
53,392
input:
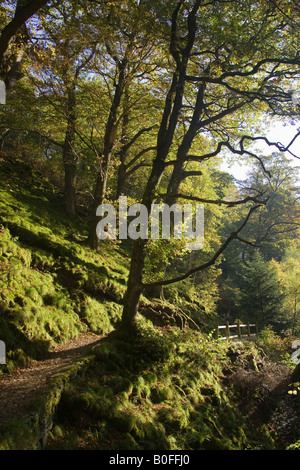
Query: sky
x,y
278,132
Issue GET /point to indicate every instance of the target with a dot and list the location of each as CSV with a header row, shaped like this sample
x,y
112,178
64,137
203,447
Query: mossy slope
x,y
52,286
160,391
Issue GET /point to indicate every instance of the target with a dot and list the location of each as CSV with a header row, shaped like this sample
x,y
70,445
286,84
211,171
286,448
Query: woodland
x,y
159,102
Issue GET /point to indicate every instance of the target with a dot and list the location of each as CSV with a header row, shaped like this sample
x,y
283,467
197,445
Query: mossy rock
x,y
214,443
102,270
121,384
102,351
161,394
151,378
123,422
174,418
126,442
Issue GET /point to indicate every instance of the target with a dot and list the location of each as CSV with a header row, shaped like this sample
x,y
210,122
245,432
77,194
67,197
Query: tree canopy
x,y
145,99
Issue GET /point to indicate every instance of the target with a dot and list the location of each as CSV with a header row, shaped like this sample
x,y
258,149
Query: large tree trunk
x,y
134,286
70,191
169,121
121,175
121,181
98,198
164,141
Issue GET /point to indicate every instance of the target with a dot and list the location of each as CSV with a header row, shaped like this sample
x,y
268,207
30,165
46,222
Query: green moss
x,y
162,402
157,389
52,286
17,436
123,422
161,393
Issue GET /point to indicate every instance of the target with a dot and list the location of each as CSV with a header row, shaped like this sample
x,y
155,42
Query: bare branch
x,y
253,71
233,236
220,201
278,145
241,151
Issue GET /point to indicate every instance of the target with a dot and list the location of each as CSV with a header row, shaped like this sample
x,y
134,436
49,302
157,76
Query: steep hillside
x,y
169,387
52,287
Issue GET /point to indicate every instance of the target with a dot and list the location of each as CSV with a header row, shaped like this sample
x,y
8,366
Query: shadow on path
x,y
20,387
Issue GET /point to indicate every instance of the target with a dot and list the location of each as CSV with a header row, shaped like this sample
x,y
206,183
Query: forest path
x,y
20,387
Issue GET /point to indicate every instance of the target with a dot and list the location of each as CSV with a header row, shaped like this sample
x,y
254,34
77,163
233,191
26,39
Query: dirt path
x,y
20,387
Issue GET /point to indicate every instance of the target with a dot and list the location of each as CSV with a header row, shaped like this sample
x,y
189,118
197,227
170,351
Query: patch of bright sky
x,y
278,132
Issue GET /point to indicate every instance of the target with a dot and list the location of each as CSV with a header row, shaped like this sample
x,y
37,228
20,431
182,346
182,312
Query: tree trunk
x,y
109,142
24,11
177,175
169,121
134,286
99,195
121,180
69,158
164,141
70,192
121,176
294,315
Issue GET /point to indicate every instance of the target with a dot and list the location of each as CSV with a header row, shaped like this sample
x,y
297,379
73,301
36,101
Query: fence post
x,y
248,329
227,329
217,332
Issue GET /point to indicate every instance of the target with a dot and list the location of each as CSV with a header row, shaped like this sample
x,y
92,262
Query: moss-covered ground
x,y
167,388
164,390
52,286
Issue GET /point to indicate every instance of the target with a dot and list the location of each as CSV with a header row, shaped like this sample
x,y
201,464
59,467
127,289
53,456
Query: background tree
x,y
288,272
271,230
278,222
62,60
261,297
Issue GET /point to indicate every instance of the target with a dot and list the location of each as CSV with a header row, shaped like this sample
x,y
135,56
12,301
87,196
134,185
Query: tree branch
x,y
233,236
220,201
255,69
139,155
136,136
280,146
24,10
242,151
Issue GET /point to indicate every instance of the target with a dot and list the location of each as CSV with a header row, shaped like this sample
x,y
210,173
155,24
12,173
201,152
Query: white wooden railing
x,y
242,331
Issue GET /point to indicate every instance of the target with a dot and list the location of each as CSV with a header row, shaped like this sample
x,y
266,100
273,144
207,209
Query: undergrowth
x,y
163,390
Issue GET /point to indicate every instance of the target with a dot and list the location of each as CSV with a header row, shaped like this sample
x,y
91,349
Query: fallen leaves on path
x,y
20,387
